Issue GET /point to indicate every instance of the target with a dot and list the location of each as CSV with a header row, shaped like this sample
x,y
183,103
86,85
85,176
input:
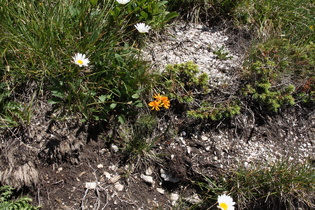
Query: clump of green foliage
x,y
182,81
292,19
279,71
228,109
277,74
221,54
39,39
185,83
6,201
139,138
12,112
203,10
153,12
282,185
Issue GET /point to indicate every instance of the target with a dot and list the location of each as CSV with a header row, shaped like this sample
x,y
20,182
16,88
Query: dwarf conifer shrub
x,y
7,202
280,74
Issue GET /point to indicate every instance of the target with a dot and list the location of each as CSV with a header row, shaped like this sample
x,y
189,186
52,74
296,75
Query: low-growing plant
x,y
282,185
210,11
280,73
221,54
153,13
228,109
139,138
182,81
269,19
7,202
39,40
186,84
13,112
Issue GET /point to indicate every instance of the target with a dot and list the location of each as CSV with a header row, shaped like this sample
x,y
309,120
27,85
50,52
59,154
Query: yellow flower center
x,y
80,62
224,206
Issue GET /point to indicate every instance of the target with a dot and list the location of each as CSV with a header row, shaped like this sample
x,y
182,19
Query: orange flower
x,y
155,105
159,102
165,102
157,97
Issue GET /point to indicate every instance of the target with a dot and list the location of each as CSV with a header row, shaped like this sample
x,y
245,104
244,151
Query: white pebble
x,y
148,179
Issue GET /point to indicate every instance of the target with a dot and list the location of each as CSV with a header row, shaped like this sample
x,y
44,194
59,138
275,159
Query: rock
x,y
204,138
174,197
107,175
147,179
149,171
119,187
168,177
114,148
188,149
90,185
160,190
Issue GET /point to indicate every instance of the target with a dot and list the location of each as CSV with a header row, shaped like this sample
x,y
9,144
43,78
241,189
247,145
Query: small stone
x,y
147,179
174,197
100,166
181,139
90,185
114,148
204,138
194,199
118,186
188,149
160,190
102,151
167,177
113,167
149,171
107,175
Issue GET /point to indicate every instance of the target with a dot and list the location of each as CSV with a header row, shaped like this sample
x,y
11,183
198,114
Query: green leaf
x,y
54,101
121,119
135,96
171,15
144,15
119,58
139,104
102,98
56,93
113,105
93,2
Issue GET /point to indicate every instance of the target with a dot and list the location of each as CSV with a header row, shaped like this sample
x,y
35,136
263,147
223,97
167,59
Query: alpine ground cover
x,y
84,58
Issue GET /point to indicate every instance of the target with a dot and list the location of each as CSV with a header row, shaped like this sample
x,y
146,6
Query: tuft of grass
x,y
282,185
206,11
139,138
39,39
292,19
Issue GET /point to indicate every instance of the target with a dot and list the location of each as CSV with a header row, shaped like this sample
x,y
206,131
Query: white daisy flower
x,y
225,202
142,27
122,1
81,60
